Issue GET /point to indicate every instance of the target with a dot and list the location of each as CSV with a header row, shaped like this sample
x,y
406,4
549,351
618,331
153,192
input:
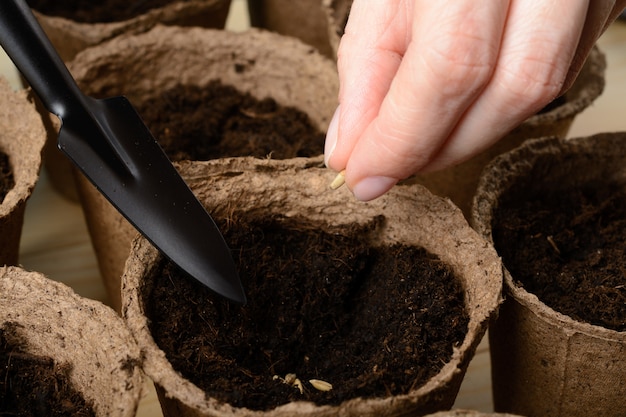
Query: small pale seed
x,y
339,180
320,385
298,384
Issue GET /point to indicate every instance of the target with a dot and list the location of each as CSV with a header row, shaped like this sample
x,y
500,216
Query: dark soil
x,y
323,303
7,182
90,11
35,385
215,121
567,247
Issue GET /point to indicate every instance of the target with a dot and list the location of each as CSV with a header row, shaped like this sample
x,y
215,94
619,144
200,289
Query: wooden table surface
x,y
55,239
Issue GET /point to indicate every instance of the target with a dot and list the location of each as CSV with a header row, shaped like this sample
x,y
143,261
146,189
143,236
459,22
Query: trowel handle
x,y
29,48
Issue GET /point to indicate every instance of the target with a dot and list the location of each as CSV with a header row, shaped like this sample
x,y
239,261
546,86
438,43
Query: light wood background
x,y
55,239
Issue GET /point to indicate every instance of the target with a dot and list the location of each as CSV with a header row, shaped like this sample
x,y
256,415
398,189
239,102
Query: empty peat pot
x,y
87,358
22,138
554,210
148,67
319,23
340,317
74,25
303,19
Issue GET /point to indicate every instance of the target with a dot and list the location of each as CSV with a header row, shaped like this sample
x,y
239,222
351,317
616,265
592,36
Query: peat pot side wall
x,y
545,363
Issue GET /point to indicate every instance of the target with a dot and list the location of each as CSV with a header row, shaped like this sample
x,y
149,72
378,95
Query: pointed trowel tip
x,y
236,295
220,274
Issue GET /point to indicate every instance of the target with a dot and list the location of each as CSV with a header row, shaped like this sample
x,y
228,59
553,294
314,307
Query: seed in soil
x,y
324,303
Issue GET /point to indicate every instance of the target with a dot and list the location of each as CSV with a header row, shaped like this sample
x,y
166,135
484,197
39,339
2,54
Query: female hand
x,y
428,84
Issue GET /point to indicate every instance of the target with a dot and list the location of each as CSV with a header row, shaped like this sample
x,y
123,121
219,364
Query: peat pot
x,y
151,65
334,292
320,23
22,137
73,26
554,210
88,360
304,19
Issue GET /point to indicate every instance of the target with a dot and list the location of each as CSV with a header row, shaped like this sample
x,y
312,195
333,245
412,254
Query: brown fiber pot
x,y
55,322
413,216
260,63
303,19
70,37
22,137
545,363
459,183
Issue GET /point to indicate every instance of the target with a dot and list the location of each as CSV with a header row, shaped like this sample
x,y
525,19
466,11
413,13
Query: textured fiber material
x,y
319,23
298,187
256,62
545,363
22,137
337,12
55,322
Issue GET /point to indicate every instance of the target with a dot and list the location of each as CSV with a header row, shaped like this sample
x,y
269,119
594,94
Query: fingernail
x,y
369,188
331,136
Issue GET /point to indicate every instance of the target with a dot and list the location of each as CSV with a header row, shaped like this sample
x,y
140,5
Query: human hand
x,y
428,84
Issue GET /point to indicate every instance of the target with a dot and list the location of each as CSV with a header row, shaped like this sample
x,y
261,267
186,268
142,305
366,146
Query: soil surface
x,y
90,11
202,123
7,181
323,303
35,385
567,248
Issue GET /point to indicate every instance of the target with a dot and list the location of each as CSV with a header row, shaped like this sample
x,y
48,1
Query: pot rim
x,y
196,56
24,153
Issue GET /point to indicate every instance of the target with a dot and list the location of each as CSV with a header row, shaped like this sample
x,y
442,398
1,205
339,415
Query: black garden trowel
x,y
110,144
